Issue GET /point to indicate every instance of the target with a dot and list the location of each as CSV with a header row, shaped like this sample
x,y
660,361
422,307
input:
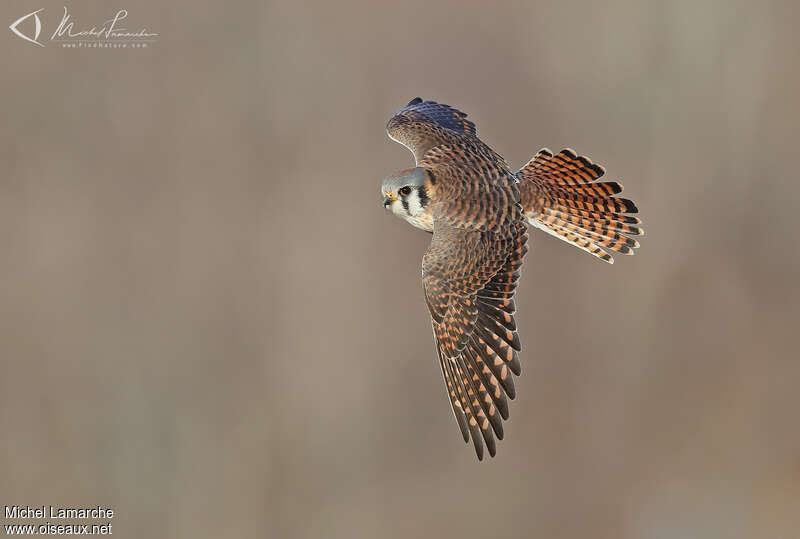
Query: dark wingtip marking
x,y
515,366
415,101
476,442
492,449
503,411
630,207
511,391
587,163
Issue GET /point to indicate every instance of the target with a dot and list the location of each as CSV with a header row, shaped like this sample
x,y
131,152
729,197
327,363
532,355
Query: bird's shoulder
x,y
474,187
466,161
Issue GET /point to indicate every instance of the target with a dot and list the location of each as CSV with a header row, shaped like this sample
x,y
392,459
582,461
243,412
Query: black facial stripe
x,y
404,200
423,196
432,177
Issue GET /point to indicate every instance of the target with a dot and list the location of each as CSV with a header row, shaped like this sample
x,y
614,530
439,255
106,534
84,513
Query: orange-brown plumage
x,y
561,195
477,208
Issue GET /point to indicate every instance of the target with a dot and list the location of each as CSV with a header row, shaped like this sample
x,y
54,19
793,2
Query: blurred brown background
x,y
209,323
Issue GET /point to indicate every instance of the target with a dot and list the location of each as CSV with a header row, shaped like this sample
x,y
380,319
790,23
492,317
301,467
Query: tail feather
x,y
580,202
574,239
600,215
596,190
606,225
561,195
607,239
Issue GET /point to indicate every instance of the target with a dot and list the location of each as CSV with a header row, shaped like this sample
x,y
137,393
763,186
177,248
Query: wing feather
x,y
473,323
422,125
471,268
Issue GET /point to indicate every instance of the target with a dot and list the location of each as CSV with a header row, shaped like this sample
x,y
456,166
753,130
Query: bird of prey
x,y
477,209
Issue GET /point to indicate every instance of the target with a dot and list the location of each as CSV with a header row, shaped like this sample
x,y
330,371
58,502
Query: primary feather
x,y
477,208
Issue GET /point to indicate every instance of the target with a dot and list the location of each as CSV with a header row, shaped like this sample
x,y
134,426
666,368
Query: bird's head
x,y
408,195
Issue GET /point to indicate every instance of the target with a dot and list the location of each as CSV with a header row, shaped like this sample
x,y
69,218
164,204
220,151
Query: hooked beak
x,y
387,201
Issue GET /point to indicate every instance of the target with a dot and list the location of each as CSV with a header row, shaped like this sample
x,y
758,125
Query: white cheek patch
x,y
414,205
416,215
397,208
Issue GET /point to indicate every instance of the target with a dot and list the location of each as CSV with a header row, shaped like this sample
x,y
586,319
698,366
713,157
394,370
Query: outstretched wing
x,y
470,277
421,125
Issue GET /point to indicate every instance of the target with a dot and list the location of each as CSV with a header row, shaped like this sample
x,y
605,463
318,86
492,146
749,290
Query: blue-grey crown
x,y
414,177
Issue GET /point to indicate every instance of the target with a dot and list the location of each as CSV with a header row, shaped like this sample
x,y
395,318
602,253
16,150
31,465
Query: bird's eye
x,y
405,191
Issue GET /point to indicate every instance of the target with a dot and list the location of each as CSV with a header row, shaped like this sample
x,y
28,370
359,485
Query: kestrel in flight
x,y
477,208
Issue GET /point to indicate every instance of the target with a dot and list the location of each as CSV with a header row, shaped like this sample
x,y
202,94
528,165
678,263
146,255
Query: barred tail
x,y
560,195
